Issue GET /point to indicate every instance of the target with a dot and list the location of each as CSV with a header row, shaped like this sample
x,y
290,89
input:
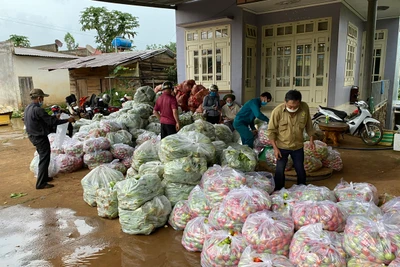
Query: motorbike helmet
x,y
55,108
167,85
213,87
106,98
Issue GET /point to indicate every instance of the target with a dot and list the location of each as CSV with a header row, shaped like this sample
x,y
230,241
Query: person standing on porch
x,y
166,110
229,110
285,131
211,105
244,120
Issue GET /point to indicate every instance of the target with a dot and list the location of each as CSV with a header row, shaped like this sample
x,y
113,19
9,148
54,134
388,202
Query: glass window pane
x,y
381,36
280,51
268,83
310,27
300,49
219,64
300,28
298,82
210,77
306,82
219,78
378,52
196,78
321,47
195,36
204,65
307,65
210,65
299,66
196,65
190,36
269,51
377,65
288,50
286,82
279,66
320,64
195,53
323,26
278,83
204,78
319,81
288,30
209,52
281,31
269,32
224,32
218,34
308,49
218,51
204,52
203,35
210,35
287,67
268,68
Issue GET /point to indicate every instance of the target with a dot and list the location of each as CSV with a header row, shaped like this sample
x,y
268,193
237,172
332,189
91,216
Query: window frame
x,y
351,54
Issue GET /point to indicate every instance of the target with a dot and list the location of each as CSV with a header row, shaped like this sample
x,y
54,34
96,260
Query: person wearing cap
x,y
211,105
229,110
244,120
166,110
38,125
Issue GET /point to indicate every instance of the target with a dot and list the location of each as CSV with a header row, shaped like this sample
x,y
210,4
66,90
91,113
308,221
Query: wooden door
x,y
25,86
250,70
82,89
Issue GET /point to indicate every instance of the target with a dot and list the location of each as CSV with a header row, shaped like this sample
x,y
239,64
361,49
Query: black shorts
x,y
167,129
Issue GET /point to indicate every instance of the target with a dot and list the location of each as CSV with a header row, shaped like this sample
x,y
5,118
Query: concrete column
x,y
369,48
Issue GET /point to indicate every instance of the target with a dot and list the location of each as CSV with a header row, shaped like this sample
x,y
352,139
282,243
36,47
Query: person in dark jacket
x,y
211,105
246,116
38,125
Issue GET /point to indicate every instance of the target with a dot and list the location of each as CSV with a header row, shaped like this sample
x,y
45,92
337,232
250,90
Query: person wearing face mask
x,y
285,131
211,105
38,125
229,110
244,120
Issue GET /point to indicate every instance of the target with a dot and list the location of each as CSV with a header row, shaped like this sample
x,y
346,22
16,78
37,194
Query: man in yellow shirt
x,y
285,131
229,110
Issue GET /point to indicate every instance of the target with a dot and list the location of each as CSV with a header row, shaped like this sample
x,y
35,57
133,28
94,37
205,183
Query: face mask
x,y
292,110
230,104
40,104
213,93
264,103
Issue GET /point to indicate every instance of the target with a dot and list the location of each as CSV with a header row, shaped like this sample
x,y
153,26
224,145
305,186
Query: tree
x,y
20,40
108,25
171,46
70,41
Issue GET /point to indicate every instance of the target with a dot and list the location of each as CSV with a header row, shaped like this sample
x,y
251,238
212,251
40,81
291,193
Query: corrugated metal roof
x,y
151,3
109,59
22,51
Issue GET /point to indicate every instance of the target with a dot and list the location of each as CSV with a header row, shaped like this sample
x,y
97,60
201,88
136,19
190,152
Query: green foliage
x,y
17,114
117,94
70,41
172,74
108,25
171,46
20,40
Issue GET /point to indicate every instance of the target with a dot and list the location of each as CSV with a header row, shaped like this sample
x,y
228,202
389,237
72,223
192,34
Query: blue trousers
x,y
245,134
298,162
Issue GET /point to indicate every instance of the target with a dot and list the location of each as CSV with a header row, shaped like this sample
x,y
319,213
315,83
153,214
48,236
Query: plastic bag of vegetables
x,y
320,152
312,164
198,203
185,118
219,147
313,246
133,193
354,262
147,218
120,137
148,151
251,258
180,215
121,151
333,161
223,133
100,177
241,158
142,109
217,181
262,134
177,191
144,94
53,166
110,126
67,163
236,137
130,121
145,136
154,127
364,192
198,116
86,128
352,207
107,202
187,170
96,144
73,147
152,167
201,126
195,234
186,144
97,158
116,164
96,133
131,173
222,248
312,192
261,180
392,206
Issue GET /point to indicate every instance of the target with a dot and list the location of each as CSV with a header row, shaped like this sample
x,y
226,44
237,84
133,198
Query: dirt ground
x,y
55,227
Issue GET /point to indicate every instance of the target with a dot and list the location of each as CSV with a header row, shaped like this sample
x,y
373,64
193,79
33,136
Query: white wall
x,y
9,96
55,83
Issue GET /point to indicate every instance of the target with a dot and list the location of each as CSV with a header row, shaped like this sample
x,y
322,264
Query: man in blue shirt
x,y
246,116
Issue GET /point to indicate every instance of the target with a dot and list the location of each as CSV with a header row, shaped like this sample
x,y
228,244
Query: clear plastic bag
x,y
180,215
219,147
144,94
268,232
120,137
236,137
217,181
133,193
239,157
312,164
222,248
223,133
354,262
364,192
312,192
251,258
333,161
351,207
147,218
198,203
154,127
201,126
100,177
186,118
187,170
312,246
148,151
87,127
130,121
176,191
61,132
320,152
95,144
263,134
107,203
110,126
116,164
376,241
53,167
96,133
131,173
325,212
186,144
144,136
195,234
97,158
261,180
392,206
73,147
283,202
121,151
152,167
144,110
67,163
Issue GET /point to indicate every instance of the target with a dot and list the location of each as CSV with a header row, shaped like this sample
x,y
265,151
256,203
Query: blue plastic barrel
x,y
121,42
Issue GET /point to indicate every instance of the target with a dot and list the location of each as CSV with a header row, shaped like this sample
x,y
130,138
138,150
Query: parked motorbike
x,y
361,123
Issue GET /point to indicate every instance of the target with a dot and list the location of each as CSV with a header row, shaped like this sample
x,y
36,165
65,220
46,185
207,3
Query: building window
x,y
352,34
208,57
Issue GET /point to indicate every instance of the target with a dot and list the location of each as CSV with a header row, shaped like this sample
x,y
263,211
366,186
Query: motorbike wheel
x,y
375,134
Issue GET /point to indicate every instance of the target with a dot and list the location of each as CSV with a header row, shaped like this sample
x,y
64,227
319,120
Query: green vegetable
x,y
239,157
17,195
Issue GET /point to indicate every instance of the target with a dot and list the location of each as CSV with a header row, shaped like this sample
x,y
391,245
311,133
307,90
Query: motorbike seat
x,y
339,113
